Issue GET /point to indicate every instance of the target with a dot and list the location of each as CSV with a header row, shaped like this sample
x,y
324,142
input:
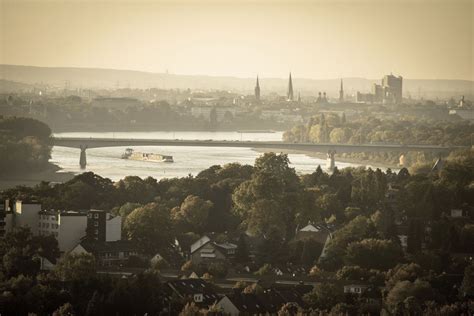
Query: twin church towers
x,y
290,94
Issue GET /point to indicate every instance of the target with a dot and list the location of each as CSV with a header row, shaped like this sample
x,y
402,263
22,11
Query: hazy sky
x,y
426,39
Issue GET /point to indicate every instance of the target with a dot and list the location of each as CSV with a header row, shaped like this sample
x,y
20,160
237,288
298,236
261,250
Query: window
x,y
96,231
96,223
96,215
89,215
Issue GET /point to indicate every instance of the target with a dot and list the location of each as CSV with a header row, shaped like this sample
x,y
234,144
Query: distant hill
x,y
12,86
58,77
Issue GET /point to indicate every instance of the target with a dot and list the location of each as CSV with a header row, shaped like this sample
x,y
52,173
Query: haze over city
x,y
314,39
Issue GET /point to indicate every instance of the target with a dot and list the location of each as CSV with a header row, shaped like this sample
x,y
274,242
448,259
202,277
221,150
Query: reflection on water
x,y
187,160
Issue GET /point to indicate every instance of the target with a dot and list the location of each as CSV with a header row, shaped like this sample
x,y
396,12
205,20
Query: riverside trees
x,y
25,144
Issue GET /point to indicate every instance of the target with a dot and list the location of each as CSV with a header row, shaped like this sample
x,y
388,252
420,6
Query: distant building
x,y
392,88
108,253
114,102
241,304
103,226
322,99
341,93
200,292
314,232
257,90
464,110
222,112
266,302
290,95
204,250
25,214
4,211
389,91
355,288
282,116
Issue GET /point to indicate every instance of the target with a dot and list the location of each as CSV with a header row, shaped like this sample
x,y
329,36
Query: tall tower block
x,y
290,94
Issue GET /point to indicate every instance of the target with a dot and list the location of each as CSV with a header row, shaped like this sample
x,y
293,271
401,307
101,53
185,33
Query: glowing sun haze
x,y
313,39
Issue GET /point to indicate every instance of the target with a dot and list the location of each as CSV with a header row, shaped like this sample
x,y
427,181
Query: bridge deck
x,y
115,142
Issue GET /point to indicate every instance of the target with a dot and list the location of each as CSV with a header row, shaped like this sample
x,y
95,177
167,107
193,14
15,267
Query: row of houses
x,y
264,299
96,232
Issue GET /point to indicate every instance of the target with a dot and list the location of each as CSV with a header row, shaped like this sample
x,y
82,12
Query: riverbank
x,y
51,174
312,154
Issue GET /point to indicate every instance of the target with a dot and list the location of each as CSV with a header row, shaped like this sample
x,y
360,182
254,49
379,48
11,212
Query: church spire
x,y
290,89
341,93
257,90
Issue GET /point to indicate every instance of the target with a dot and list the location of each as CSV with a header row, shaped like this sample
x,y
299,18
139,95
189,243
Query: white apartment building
x,y
67,226
25,213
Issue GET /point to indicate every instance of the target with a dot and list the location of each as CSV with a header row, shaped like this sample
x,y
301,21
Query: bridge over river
x,y
330,149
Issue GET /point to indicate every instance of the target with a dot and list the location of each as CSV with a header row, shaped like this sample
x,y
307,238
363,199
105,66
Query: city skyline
x,y
317,40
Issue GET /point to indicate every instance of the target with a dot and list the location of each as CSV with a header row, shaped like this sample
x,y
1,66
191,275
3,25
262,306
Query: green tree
x,y
75,268
324,296
420,290
65,310
467,287
151,227
374,254
193,212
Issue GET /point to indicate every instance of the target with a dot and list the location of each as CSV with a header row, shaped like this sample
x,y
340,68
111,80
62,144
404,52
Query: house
x,y
108,253
293,293
5,216
241,304
355,288
314,232
459,213
403,241
200,292
205,250
267,302
47,264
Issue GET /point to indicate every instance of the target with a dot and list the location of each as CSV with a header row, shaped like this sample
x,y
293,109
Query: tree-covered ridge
x,y
332,128
25,144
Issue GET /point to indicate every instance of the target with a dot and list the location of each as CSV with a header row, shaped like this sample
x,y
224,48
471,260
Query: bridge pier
x,y
83,158
331,161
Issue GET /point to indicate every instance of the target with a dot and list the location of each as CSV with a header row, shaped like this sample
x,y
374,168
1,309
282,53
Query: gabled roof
x,y
247,303
188,287
294,293
226,245
271,300
310,228
199,243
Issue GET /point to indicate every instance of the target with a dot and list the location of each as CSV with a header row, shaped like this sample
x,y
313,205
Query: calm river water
x,y
187,160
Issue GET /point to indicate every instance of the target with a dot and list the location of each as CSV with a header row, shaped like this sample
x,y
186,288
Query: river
x,y
106,162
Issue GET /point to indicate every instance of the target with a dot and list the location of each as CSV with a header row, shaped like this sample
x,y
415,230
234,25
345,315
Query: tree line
x,y
25,144
332,128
